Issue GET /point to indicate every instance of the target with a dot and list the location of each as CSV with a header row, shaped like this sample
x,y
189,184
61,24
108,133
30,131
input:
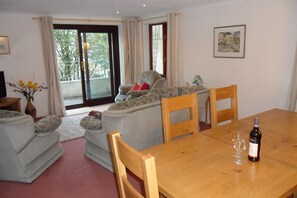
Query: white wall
x,y
26,59
264,75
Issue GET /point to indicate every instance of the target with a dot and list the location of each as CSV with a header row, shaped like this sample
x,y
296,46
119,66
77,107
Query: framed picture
x,y
4,45
229,41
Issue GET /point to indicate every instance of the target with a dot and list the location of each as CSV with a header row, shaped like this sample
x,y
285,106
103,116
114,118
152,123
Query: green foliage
x,y
96,53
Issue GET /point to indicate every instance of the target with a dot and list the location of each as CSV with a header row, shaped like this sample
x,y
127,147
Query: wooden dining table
x,y
203,165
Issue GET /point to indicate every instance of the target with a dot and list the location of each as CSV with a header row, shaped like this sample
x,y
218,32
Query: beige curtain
x,y
293,99
172,49
133,49
56,105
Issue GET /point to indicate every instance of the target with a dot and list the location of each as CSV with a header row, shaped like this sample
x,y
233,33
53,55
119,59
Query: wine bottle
x,y
255,142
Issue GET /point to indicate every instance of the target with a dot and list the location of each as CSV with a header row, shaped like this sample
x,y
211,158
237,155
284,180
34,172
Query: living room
x,y
263,77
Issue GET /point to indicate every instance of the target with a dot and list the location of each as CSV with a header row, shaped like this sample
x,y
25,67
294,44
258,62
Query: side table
x,y
12,104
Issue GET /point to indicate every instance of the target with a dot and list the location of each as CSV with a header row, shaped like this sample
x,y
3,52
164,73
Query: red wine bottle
x,y
255,142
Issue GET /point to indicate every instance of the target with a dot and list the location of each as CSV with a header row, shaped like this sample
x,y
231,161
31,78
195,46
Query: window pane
x,y
97,64
157,48
67,51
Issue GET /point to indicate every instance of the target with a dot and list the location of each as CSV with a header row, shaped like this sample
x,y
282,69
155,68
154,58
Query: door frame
x,y
113,37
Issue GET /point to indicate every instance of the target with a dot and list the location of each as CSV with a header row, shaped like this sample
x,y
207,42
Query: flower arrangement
x,y
27,89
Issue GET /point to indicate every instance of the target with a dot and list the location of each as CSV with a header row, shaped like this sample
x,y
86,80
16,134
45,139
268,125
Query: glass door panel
x,y
96,65
88,59
67,50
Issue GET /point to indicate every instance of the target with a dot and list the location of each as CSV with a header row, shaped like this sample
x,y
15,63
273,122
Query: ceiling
x,y
101,8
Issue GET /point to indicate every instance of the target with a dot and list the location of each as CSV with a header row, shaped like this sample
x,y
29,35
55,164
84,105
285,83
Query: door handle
x,y
82,64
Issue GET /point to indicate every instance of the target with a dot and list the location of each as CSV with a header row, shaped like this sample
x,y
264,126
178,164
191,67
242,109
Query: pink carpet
x,y
73,176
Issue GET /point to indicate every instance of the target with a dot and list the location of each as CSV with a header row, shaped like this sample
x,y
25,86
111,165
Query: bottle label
x,y
253,150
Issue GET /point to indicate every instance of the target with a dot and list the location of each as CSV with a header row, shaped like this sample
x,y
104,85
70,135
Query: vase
x,y
30,109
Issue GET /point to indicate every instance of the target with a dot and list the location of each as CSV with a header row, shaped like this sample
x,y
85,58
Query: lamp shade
x,y
197,80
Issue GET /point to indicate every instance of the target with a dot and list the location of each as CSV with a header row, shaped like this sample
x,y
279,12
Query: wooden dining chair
x,y
225,114
190,126
142,165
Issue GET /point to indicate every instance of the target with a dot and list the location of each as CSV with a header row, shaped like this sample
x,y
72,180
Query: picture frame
x,y
4,45
229,41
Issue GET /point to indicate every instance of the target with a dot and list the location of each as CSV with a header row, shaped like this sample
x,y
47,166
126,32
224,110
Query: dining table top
x,y
202,165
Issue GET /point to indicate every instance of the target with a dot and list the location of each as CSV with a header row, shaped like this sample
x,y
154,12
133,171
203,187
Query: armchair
x,y
151,77
24,152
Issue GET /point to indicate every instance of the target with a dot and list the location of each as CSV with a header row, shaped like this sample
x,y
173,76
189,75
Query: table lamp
x,y
197,80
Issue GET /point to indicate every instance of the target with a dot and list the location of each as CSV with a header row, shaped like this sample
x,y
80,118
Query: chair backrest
x,y
230,113
142,165
190,126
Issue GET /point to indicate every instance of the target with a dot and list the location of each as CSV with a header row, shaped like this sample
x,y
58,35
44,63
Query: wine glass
x,y
239,146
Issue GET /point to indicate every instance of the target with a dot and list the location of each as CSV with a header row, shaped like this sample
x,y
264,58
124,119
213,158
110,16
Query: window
x,y
158,47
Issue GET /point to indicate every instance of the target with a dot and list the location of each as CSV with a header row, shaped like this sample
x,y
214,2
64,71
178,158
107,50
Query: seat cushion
x,y
91,122
48,124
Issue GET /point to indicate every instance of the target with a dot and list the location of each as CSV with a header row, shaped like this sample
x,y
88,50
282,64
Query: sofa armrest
x,y
159,83
20,130
124,89
135,93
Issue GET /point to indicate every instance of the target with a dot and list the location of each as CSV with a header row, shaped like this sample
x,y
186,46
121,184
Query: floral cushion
x,y
165,92
132,94
48,124
10,114
91,122
146,99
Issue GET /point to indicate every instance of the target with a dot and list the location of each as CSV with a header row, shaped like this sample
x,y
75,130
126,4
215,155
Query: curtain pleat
x,y
133,48
293,98
56,104
172,49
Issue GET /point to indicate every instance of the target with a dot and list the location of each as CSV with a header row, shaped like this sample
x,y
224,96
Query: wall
x,y
264,76
26,59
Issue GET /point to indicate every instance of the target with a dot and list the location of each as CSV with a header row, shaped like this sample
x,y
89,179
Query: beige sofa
x,y
139,121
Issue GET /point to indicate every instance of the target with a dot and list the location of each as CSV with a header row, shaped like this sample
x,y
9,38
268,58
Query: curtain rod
x,y
158,17
100,20
72,19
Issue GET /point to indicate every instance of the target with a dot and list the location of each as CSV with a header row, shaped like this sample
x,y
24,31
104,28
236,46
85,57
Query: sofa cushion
x,y
146,99
48,124
144,86
10,114
165,92
135,87
91,122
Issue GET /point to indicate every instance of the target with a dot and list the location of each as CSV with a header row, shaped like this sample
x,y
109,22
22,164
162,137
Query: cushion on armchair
x,y
48,124
91,122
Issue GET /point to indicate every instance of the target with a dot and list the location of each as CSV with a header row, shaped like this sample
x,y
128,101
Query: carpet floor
x,y
71,176
70,127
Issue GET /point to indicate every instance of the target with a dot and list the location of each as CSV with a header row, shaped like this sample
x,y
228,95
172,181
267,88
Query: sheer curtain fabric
x,y
172,51
133,48
56,104
293,99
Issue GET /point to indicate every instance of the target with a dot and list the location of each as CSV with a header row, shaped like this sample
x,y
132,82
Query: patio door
x,y
88,58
